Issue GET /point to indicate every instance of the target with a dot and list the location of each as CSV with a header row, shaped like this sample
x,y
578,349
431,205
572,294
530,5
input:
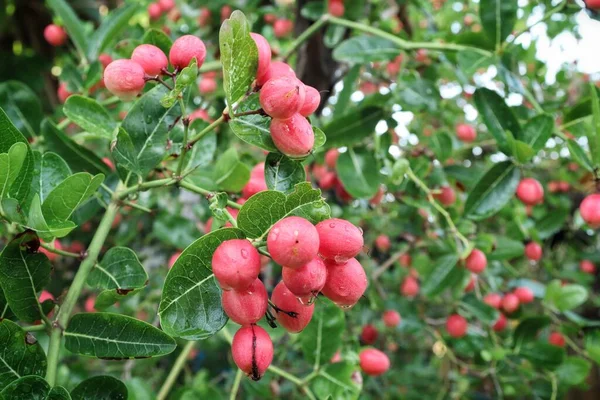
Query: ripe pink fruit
x,y
376,200
204,17
90,304
151,58
339,239
456,326
500,323
246,306
590,210
493,300
530,192
154,11
510,303
282,27
293,137
369,334
308,280
556,339
405,260
252,350
476,262
55,35
264,54
282,97
346,283
225,12
186,48
446,196
593,4
331,157
173,259
533,251
383,243
200,113
256,183
466,133
45,295
51,256
391,318
105,59
336,8
293,242
62,92
524,294
287,302
236,264
409,287
312,99
124,79
166,5
374,362
207,86
471,285
328,181
588,267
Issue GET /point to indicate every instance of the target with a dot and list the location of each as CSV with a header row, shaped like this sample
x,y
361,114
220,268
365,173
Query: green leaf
x,y
53,171
254,130
353,127
444,274
419,95
158,39
322,336
283,173
522,152
89,115
175,230
64,199
441,144
579,155
592,345
480,310
537,131
22,106
115,336
265,208
120,268
107,298
543,355
78,157
506,249
33,387
148,124
493,191
10,167
571,296
115,22
23,273
593,134
497,116
343,98
203,152
573,371
552,223
37,222
358,170
336,381
363,49
471,61
102,387
239,56
190,307
528,329
18,355
73,25
320,138
125,155
230,174
498,18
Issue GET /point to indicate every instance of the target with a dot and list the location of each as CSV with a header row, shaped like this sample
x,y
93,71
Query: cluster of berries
x,y
315,259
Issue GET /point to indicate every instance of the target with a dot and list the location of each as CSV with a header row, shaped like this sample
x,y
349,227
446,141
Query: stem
x,y
230,217
236,384
405,44
292,378
177,367
210,66
207,193
184,147
387,264
145,186
204,131
136,206
110,100
63,124
64,313
311,30
251,112
54,250
34,328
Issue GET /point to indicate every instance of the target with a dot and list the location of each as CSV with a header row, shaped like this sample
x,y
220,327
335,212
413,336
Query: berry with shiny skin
x,y
55,35
446,196
493,300
207,86
456,326
587,266
346,283
500,323
383,243
308,280
124,79
336,8
524,294
533,251
166,5
391,318
339,239
277,69
282,97
154,11
257,181
151,58
530,192
236,264
405,260
590,210
476,262
173,259
105,59
374,362
593,4
312,99
286,303
556,339
62,92
282,27
264,54
184,49
293,242
294,137
369,334
246,306
510,303
466,133
409,287
331,158
252,351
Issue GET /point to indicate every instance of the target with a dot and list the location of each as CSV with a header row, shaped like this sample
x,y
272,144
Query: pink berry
x,y
55,35
466,133
383,243
374,362
200,113
264,54
339,239
588,267
186,48
530,192
510,303
376,200
456,326
124,79
256,183
225,12
590,210
63,93
500,323
308,280
51,256
328,181
173,259
293,242
369,334
293,137
336,8
409,287
204,17
282,97
476,262
277,69
471,285
246,306
252,351
331,157
447,196
90,304
166,5
533,251
151,58
312,99
405,260
524,294
282,28
207,86
105,59
493,300
286,302
45,295
391,318
556,339
154,11
236,264
346,283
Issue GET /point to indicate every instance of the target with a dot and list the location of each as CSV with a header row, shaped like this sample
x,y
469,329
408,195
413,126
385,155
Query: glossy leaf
x,y
444,274
593,134
64,199
100,387
110,29
419,95
53,171
363,49
471,61
493,191
72,23
10,167
358,171
537,131
353,127
322,336
592,345
497,116
120,268
336,381
107,298
253,129
37,221
22,106
479,310
573,371
498,18
528,329
230,174
33,387
579,155
89,115
283,173
506,249
543,355
441,144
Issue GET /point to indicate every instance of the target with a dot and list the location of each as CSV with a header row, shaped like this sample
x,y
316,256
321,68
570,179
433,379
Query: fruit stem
x,y
311,30
175,370
54,250
34,328
184,143
206,130
236,384
207,193
145,186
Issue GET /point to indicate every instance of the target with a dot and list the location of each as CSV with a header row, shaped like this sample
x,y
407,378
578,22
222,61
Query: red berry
x,y
524,294
151,58
466,133
90,304
336,8
287,302
45,295
63,93
166,5
369,334
282,27
530,192
500,323
405,260
204,17
339,239
270,18
55,35
456,326
173,259
533,251
207,86
312,99
510,303
376,200
346,283
246,306
51,256
308,280
294,137
200,113
383,243
282,97
328,181
277,69
590,210
105,59
252,350
124,79
186,48
374,362
588,267
154,11
293,242
236,264
331,157
556,339
225,12
391,318
409,287
446,196
264,54
593,4
493,300
471,285
476,262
